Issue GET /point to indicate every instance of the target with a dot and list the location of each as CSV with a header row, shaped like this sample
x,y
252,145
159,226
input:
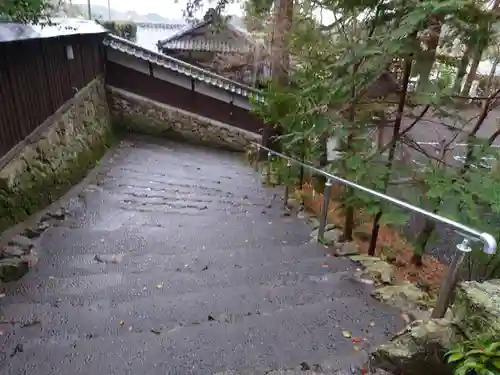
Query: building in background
x,y
222,48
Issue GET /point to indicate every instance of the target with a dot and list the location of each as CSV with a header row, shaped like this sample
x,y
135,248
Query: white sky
x,y
167,8
173,8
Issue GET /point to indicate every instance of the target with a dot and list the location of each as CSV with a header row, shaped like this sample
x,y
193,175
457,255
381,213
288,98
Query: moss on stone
x,y
140,115
40,185
60,159
140,125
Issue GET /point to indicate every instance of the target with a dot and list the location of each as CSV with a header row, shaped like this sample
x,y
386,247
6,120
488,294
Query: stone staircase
x,y
176,261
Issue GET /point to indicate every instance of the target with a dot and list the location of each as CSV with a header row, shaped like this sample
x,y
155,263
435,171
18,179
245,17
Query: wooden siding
x,y
180,97
36,78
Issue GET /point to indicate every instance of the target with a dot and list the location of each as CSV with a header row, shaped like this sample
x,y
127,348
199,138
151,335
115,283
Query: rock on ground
x,y
405,295
22,242
375,268
12,269
477,307
420,349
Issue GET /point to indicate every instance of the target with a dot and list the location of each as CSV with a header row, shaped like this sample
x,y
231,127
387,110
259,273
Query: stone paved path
x,y
178,262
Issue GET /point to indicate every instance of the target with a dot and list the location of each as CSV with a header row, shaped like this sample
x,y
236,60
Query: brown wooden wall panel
x,y
180,97
36,79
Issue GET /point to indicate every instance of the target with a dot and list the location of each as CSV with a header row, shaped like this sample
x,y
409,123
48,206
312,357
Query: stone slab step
x,y
119,233
195,260
311,333
84,317
118,285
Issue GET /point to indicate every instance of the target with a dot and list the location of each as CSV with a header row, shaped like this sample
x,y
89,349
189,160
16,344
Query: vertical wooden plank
x,y
52,53
89,51
17,84
25,81
78,71
64,67
8,118
36,91
84,48
48,76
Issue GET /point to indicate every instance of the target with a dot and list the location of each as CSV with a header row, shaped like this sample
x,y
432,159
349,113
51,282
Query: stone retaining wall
x,y
136,113
56,155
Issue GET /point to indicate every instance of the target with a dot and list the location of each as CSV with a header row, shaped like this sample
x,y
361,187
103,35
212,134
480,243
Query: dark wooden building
x,y
42,67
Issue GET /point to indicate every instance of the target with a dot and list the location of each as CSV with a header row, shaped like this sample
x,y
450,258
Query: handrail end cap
x,y
490,244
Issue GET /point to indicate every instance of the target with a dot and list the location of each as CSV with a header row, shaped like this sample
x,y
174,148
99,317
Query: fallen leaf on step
x,y
406,318
347,334
122,323
357,339
109,259
356,348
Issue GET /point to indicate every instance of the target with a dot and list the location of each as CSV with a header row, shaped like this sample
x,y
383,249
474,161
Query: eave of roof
x,y
11,32
181,67
190,28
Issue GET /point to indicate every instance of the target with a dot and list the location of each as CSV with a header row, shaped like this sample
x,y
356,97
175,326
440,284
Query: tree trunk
x,y
426,62
392,152
349,221
279,51
472,72
319,181
491,76
283,14
421,242
461,72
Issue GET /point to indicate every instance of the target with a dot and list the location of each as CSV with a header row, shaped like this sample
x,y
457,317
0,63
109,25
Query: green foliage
x,y
446,75
329,78
476,357
334,91
25,11
126,30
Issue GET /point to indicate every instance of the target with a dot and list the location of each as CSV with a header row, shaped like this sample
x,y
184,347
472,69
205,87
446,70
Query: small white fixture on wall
x,y
69,52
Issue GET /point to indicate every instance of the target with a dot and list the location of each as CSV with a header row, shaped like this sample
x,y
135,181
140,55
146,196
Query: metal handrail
x,y
468,234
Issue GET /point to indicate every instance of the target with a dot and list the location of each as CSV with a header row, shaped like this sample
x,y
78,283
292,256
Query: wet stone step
x,y
112,294
176,239
312,333
91,318
189,261
122,286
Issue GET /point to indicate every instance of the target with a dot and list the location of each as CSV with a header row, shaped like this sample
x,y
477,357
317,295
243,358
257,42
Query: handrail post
x,y
287,190
268,169
324,209
448,284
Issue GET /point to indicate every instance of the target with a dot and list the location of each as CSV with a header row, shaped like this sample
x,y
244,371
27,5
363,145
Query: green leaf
x,y
461,371
455,357
493,347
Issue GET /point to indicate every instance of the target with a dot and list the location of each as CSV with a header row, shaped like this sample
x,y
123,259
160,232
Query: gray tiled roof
x,y
204,45
10,32
176,41
181,67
